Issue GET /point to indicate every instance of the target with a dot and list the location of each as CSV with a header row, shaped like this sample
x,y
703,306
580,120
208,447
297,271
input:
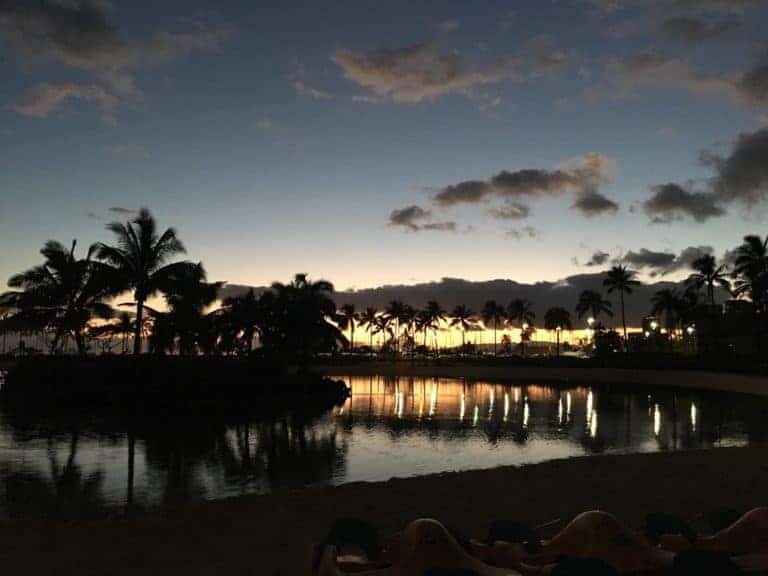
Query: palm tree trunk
x,y
352,336
624,321
494,338
137,332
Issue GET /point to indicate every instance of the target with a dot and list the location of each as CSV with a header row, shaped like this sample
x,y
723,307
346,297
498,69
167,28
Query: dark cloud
x,y
80,35
695,30
581,176
734,7
592,203
740,178
661,263
523,233
672,201
415,218
598,258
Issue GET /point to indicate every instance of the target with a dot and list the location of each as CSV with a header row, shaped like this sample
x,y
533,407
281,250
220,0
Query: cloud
x,y
297,79
695,31
448,25
676,6
80,35
120,212
416,73
523,233
510,211
42,99
672,201
661,263
740,177
591,203
135,151
624,77
598,258
415,218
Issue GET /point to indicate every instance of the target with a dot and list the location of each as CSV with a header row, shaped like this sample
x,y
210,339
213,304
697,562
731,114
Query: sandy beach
x,y
271,535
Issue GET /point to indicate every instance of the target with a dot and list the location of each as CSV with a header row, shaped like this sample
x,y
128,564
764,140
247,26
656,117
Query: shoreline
x,y
691,379
271,534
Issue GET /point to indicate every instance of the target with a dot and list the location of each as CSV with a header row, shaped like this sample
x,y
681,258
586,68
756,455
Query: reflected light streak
x,y
506,406
693,416
526,414
492,401
433,400
568,404
656,419
593,425
476,415
590,404
462,407
560,413
517,395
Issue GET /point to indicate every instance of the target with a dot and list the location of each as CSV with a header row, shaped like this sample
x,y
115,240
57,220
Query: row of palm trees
x,y
71,296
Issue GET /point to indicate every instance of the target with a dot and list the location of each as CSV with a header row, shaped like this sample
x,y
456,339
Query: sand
x,y
270,535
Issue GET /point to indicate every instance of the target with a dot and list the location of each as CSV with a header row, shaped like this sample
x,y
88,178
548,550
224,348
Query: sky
x,y
388,142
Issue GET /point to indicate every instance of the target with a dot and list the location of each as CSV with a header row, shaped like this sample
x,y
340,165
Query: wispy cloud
x,y
43,99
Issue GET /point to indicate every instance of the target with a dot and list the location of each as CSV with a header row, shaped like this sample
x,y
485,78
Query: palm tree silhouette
x,y
368,319
140,261
64,293
493,313
347,317
751,270
395,312
463,317
409,319
557,319
667,302
521,311
187,295
242,314
622,280
124,327
708,273
434,314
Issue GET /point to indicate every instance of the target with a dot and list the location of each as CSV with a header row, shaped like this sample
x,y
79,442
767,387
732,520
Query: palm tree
x,y
521,311
493,313
368,319
557,319
347,317
434,314
187,295
463,317
592,302
622,280
63,293
140,261
242,313
751,270
667,302
708,273
395,312
124,327
409,319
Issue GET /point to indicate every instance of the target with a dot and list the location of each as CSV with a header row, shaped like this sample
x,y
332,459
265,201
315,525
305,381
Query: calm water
x,y
389,427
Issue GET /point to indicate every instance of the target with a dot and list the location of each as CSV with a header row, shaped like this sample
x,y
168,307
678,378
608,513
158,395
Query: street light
x,y
591,321
654,325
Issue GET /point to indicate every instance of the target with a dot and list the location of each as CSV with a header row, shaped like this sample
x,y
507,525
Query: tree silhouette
x,y
434,314
395,313
592,302
521,311
368,320
347,317
557,319
241,314
708,273
64,293
622,280
493,313
667,303
463,317
140,261
751,270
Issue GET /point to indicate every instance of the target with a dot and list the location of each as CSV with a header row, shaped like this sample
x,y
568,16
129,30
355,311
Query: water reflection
x,y
388,427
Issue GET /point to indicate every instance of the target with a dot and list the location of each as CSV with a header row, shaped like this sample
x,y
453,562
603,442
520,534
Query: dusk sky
x,y
372,142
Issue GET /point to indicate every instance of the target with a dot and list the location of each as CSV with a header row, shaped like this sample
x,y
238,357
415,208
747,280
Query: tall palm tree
x,y
463,317
708,273
493,313
557,319
63,293
347,316
751,270
408,318
667,302
622,280
368,319
521,312
395,312
140,261
435,314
